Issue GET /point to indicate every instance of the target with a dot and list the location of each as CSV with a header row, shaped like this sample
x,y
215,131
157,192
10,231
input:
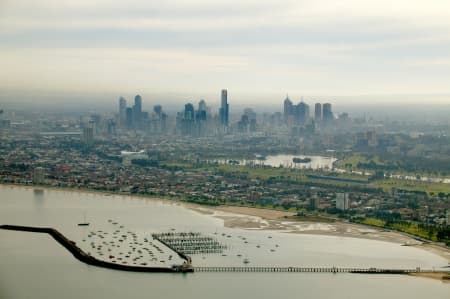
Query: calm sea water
x,y
35,266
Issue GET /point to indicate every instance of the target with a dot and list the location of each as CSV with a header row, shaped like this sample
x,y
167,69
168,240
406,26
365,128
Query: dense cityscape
x,y
320,165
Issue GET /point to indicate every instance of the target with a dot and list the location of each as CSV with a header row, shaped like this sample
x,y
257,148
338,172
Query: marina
x,y
190,243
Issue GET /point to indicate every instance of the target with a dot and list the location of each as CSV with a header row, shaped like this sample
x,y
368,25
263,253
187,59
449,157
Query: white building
x,y
342,201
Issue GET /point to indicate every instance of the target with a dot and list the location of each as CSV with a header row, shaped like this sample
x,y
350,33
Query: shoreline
x,y
275,220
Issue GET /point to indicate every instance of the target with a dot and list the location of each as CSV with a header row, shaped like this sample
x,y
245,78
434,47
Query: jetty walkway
x,y
309,270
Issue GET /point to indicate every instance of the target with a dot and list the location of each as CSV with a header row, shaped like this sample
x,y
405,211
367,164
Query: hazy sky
x,y
252,47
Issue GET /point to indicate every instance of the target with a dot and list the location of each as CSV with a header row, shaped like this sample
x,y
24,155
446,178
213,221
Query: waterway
x,y
286,161
35,266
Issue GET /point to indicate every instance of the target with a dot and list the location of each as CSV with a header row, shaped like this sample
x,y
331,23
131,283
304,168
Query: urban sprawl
x,y
385,173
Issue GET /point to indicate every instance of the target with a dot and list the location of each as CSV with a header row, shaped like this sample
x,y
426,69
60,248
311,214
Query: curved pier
x,y
88,259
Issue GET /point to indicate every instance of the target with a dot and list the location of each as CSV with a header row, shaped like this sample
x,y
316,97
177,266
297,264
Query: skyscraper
x,y
189,120
189,112
302,113
88,133
201,118
202,105
157,109
224,109
327,115
122,111
318,113
288,109
158,120
137,112
129,118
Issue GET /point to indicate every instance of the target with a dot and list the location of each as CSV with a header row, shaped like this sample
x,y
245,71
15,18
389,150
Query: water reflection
x,y
286,161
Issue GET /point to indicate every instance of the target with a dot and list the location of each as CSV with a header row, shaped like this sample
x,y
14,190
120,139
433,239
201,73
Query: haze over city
x,y
357,51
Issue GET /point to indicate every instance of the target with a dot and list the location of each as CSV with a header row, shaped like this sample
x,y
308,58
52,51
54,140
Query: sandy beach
x,y
265,219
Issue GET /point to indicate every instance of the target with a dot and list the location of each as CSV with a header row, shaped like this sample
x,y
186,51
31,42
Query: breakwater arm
x,y
88,259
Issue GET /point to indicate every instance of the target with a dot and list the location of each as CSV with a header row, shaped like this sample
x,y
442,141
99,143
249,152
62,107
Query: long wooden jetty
x,y
90,260
309,270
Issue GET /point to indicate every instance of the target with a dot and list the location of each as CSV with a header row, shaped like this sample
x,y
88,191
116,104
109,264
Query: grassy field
x,y
374,222
358,158
300,176
412,228
388,184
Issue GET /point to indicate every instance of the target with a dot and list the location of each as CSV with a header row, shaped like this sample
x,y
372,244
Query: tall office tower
x,y
129,118
122,111
137,112
157,109
288,109
88,134
188,120
224,109
302,113
202,105
189,112
111,127
201,118
327,115
202,110
156,120
318,113
251,117
164,119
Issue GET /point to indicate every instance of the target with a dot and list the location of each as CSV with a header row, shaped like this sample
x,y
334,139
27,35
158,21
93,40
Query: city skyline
x,y
258,49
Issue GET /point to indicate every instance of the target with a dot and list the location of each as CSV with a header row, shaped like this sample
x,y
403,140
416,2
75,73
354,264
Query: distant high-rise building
x,y
122,111
224,109
327,114
157,109
158,120
202,105
288,109
202,110
38,175
318,113
302,113
244,124
342,201
111,127
137,112
129,118
88,134
189,112
188,127
201,118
